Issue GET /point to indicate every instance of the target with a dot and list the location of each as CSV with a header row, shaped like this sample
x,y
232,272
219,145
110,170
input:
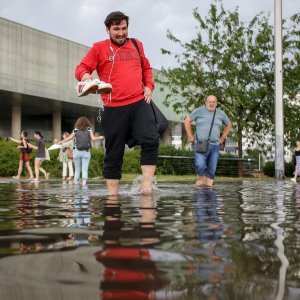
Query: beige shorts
x,y
40,158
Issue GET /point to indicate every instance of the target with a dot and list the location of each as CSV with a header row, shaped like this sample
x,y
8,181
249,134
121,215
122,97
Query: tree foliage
x,y
235,61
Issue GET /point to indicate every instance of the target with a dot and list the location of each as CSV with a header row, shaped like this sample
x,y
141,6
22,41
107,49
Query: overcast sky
x,y
81,21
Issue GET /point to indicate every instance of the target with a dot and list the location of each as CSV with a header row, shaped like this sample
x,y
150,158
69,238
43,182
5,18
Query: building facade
x,y
37,85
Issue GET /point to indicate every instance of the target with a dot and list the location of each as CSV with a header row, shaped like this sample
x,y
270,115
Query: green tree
x,y
234,61
291,80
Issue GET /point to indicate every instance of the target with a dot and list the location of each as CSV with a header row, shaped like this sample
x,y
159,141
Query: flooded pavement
x,y
240,240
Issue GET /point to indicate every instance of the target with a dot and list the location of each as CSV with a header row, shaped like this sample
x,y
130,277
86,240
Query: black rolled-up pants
x,y
120,123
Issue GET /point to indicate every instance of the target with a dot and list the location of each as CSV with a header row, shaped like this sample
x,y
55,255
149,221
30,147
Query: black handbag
x,y
202,146
161,121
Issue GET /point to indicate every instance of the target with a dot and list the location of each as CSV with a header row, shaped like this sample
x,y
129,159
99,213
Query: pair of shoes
x,y
103,87
35,180
95,86
294,179
69,178
16,177
47,176
64,178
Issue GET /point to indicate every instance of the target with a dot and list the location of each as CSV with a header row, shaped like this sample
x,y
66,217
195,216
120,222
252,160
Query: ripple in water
x,y
239,240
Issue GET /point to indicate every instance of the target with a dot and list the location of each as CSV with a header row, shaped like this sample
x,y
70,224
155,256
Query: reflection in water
x,y
239,240
209,226
280,218
209,231
82,216
130,270
298,197
267,215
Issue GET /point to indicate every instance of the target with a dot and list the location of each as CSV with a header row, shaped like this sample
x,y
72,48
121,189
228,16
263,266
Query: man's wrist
x,y
86,76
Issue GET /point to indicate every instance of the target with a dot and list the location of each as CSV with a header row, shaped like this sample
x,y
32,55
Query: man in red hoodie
x,y
127,111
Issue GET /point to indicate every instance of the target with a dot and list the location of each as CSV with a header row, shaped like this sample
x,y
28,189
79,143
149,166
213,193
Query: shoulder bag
x,y
160,119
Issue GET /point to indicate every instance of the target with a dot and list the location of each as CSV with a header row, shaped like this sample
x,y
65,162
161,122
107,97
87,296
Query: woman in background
x,y
24,155
40,155
82,135
297,161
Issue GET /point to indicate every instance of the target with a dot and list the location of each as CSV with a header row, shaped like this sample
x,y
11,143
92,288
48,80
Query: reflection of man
x,y
127,112
206,163
143,233
209,226
129,272
209,231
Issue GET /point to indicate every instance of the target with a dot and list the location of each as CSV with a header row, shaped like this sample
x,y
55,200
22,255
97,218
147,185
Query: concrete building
x,y
37,85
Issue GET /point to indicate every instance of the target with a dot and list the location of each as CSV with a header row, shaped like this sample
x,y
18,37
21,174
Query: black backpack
x,y
83,139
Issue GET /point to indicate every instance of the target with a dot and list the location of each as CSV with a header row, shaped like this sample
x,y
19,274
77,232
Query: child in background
x,y
65,157
24,155
297,161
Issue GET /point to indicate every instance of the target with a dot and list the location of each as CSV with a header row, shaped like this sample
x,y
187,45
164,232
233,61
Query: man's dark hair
x,y
115,18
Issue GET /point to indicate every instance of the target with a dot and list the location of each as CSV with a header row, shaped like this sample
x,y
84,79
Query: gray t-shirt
x,y
203,118
40,153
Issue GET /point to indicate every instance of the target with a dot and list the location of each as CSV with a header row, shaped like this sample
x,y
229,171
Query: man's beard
x,y
116,42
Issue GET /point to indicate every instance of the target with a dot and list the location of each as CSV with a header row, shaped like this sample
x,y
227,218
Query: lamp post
x,y
279,145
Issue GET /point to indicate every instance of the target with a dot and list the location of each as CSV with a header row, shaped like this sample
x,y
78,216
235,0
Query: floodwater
x,y
239,240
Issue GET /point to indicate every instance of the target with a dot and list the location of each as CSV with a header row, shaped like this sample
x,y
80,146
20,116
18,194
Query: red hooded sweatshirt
x,y
122,67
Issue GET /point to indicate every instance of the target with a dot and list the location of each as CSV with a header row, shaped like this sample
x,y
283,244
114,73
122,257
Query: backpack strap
x,y
134,42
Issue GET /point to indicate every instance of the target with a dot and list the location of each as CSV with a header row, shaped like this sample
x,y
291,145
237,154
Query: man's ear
x,y
107,30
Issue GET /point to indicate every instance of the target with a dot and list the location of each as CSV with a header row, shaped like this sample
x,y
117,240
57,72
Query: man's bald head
x,y
211,102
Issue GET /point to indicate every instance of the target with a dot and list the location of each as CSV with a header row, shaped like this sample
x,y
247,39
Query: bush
x,y
175,166
9,158
269,168
96,163
186,166
289,169
9,161
131,162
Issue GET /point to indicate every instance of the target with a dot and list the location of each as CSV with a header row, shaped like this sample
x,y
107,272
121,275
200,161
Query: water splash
x,y
137,182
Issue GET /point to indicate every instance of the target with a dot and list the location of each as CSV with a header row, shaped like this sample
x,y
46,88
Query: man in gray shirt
x,y
206,163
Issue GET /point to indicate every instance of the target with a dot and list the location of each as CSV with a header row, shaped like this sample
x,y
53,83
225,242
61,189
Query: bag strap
x,y
211,125
134,42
